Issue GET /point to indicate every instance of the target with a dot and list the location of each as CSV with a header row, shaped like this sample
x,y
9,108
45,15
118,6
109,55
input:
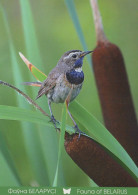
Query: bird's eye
x,y
74,55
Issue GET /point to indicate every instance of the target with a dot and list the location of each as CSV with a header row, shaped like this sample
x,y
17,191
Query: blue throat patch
x,y
75,77
79,62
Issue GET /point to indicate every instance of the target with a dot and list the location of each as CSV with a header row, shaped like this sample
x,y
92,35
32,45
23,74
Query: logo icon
x,y
66,191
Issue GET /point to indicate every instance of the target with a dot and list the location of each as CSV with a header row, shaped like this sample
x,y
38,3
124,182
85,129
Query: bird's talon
x,y
77,130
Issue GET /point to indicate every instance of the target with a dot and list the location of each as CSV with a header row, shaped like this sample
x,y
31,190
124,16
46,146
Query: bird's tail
x,y
35,84
40,93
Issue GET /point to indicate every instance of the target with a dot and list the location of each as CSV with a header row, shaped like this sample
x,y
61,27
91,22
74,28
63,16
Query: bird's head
x,y
73,59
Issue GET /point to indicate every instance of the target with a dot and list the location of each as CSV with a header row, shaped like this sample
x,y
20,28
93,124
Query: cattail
x,y
96,162
113,88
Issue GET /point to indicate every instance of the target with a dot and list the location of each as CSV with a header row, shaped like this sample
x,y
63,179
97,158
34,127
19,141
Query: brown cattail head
x,y
96,162
114,90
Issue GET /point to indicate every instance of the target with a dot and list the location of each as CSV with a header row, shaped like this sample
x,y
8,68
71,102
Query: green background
x,y
55,35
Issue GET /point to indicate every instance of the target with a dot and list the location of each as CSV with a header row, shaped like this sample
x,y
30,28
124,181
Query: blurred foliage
x,y
55,35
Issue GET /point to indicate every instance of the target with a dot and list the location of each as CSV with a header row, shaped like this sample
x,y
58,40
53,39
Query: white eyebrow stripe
x,y
68,56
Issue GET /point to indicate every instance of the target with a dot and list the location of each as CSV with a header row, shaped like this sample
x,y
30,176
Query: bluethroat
x,y
64,82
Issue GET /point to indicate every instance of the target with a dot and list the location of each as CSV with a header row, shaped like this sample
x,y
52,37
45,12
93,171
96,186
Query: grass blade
x,y
22,114
34,54
17,79
8,157
29,32
61,143
40,76
6,175
36,152
73,14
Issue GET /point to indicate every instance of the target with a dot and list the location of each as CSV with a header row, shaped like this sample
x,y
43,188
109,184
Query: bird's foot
x,y
77,130
54,121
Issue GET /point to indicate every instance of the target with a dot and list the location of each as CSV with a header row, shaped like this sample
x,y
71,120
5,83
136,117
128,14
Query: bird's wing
x,y
44,90
49,83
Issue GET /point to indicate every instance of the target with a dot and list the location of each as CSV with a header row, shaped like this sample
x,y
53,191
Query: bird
x,y
64,82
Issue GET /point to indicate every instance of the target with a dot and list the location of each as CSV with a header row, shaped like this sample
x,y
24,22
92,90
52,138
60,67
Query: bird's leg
x,y
53,120
77,130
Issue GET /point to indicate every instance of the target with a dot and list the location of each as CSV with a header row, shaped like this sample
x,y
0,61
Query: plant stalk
x,y
114,90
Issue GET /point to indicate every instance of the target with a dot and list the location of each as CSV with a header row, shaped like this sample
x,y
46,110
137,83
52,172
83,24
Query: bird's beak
x,y
84,53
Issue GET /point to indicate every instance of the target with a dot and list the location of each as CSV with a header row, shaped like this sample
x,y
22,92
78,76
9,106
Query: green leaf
x,y
61,143
73,14
30,33
99,133
40,76
44,138
6,175
17,79
22,114
16,69
40,158
7,156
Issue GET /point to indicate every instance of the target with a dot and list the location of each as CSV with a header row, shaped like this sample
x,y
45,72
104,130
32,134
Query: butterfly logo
x,y
66,191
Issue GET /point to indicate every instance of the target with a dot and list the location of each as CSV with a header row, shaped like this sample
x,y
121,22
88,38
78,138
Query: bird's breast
x,y
62,88
75,76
